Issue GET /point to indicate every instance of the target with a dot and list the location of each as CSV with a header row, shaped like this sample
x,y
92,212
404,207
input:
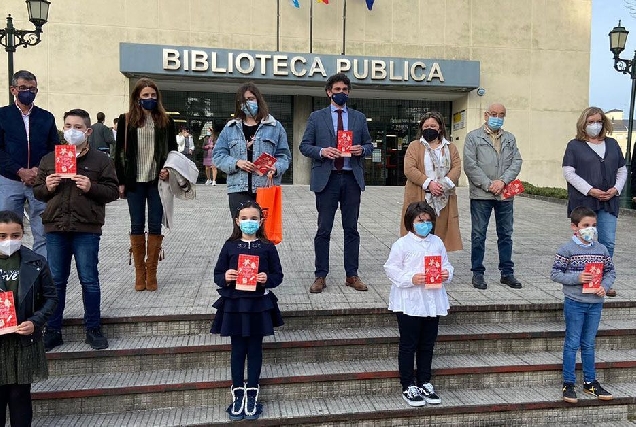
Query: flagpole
x,y
278,26
311,26
344,24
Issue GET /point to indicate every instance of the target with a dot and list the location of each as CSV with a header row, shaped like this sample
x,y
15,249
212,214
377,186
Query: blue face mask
x,y
495,123
340,98
249,226
148,104
250,108
26,97
422,229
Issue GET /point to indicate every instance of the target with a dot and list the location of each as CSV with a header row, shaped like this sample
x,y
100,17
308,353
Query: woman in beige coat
x,y
432,167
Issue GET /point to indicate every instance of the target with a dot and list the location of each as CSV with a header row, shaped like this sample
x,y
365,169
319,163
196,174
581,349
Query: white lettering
x,y
280,65
186,66
378,70
418,77
343,65
199,60
263,60
294,71
230,62
214,67
356,70
436,72
392,75
250,62
316,67
171,59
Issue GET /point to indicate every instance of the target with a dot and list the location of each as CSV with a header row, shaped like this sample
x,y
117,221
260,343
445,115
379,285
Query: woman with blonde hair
x,y
432,167
594,168
145,135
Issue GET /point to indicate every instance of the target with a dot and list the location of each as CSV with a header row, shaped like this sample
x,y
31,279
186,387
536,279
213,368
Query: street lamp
x,y
12,38
618,38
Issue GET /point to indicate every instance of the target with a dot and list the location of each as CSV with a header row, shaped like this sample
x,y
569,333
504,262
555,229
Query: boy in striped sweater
x,y
582,311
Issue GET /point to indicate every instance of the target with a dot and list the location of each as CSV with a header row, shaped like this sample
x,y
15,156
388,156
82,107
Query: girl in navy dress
x,y
247,316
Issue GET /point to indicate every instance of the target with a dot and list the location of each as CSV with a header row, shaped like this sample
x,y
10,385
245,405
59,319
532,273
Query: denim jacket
x,y
231,147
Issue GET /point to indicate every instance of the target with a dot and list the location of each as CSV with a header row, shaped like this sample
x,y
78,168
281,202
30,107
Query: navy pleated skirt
x,y
246,316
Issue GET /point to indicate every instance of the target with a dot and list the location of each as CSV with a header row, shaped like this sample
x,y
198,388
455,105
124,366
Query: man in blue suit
x,y
336,179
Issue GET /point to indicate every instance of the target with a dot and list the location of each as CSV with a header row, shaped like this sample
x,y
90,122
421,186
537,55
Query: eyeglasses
x,y
23,88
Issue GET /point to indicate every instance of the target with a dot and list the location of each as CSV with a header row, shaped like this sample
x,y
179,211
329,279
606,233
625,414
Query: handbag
x,y
270,199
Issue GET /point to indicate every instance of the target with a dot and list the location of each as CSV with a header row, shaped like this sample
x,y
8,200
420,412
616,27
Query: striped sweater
x,y
569,263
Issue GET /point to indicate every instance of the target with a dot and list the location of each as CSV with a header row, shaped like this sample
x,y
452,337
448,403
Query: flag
x,y
295,3
323,1
370,4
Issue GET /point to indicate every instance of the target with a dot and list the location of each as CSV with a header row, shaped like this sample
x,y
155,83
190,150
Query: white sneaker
x,y
213,182
208,182
413,397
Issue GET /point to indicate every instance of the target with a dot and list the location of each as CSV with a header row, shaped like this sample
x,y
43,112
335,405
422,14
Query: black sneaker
x,y
429,394
96,339
569,395
595,389
52,339
413,396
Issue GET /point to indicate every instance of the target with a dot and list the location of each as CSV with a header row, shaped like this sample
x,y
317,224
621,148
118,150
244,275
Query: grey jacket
x,y
483,165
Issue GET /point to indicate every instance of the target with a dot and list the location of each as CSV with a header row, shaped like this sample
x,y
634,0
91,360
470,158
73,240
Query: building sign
x,y
459,120
223,63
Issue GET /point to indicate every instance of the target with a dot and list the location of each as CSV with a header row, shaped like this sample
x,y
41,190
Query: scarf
x,y
441,167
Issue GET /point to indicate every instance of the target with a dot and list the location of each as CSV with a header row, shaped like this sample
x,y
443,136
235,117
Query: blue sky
x,y
610,89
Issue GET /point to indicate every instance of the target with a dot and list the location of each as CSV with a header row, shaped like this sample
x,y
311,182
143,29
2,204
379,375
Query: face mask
x,y
340,98
423,228
593,129
250,108
249,226
430,134
588,234
74,136
148,104
9,247
26,97
495,123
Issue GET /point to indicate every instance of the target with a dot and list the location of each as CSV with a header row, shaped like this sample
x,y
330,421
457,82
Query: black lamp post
x,y
11,38
618,38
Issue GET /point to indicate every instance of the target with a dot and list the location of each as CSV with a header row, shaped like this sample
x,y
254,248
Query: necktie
x,y
339,162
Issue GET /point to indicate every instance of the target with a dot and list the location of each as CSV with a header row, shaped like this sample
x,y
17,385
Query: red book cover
x,y
345,141
8,318
433,271
512,189
65,160
264,162
247,271
596,268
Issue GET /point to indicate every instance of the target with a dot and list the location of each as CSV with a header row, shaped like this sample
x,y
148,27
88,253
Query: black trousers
x,y
417,339
18,398
252,348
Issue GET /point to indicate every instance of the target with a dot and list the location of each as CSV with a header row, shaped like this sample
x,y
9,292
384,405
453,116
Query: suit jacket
x,y
320,134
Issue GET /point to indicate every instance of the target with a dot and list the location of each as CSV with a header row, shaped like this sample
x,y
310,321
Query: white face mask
x,y
593,129
74,136
9,247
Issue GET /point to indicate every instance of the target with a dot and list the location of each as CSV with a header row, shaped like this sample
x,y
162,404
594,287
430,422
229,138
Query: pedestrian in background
x,y
208,161
101,136
145,135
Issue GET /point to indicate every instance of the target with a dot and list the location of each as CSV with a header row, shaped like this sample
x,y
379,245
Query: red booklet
x,y
264,162
65,160
512,189
433,271
596,268
247,271
345,141
8,318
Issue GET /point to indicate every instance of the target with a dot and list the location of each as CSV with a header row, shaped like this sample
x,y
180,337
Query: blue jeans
x,y
581,324
480,216
13,194
85,248
606,226
145,191
343,189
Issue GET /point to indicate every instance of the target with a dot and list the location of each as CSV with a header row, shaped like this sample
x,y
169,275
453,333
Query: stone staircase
x,y
494,365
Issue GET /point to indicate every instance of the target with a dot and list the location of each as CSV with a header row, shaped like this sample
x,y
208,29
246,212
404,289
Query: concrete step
x,y
207,350
498,406
100,393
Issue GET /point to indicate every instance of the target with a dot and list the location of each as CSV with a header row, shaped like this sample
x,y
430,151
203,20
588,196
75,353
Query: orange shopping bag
x,y
270,200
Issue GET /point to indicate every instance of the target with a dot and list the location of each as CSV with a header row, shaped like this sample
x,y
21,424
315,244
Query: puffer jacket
x,y
70,209
483,165
231,147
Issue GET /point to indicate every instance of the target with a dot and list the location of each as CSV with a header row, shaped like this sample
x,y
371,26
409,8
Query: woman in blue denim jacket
x,y
253,131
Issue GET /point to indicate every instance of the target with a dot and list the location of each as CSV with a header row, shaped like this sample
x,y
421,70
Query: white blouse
x,y
407,259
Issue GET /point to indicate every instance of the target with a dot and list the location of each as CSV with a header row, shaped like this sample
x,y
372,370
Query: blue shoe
x,y
253,409
236,410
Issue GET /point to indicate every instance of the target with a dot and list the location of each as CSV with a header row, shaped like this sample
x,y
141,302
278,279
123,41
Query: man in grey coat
x,y
491,161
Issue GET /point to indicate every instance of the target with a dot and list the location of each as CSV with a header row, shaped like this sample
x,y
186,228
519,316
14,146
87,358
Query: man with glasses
x,y
27,133
491,161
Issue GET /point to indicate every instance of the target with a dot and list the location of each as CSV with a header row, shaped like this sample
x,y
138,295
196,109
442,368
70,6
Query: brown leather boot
x,y
154,255
138,253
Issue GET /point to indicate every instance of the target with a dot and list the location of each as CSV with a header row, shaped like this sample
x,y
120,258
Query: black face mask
x,y
430,134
